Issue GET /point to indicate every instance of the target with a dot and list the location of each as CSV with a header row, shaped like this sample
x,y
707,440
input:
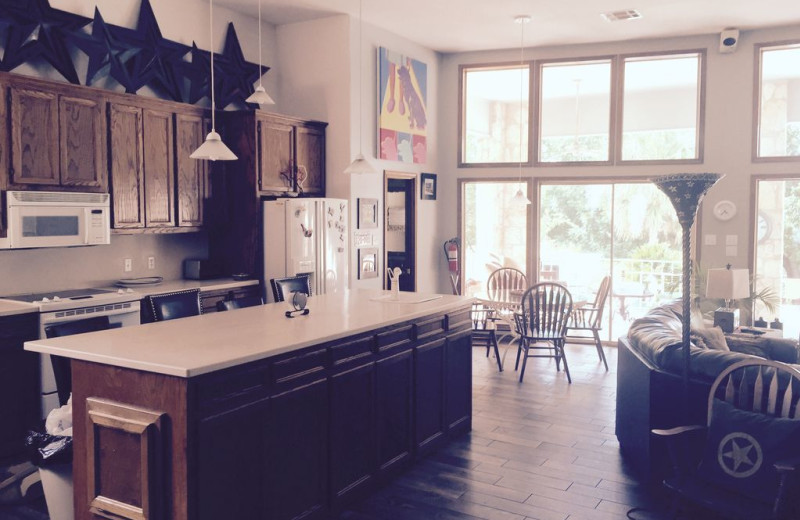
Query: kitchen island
x,y
249,414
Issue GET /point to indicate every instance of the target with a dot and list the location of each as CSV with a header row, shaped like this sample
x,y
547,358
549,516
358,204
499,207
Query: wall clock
x,y
724,210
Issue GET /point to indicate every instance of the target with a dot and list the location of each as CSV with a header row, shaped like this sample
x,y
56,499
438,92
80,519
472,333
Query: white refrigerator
x,y
307,236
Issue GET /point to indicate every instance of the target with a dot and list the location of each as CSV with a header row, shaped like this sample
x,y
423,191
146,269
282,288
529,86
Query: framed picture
x,y
402,108
367,213
427,186
368,263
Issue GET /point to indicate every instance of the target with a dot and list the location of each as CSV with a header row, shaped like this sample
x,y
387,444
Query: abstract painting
x,y
403,109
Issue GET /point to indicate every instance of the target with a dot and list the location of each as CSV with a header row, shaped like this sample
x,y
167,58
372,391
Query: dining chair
x,y
505,287
239,303
590,318
541,324
744,462
484,330
173,305
282,287
62,368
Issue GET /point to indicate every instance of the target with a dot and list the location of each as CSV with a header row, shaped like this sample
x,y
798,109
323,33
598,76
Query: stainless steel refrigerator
x,y
307,236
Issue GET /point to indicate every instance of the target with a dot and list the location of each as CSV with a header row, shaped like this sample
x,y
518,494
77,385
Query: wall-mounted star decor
x,y
104,51
236,75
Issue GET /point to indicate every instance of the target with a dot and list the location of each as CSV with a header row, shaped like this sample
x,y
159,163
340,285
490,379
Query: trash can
x,y
52,453
57,486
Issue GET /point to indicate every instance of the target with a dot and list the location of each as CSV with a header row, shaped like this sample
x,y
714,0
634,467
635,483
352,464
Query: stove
x,y
76,298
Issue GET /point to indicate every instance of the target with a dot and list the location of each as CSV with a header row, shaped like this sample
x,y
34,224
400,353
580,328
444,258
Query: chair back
x,y
173,305
758,385
481,317
239,303
62,369
545,310
600,303
506,285
282,287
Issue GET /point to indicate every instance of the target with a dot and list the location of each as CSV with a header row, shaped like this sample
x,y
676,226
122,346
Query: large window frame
x,y
615,118
462,115
758,50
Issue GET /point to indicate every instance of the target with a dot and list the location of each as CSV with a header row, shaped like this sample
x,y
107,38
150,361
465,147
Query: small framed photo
x,y
367,213
427,188
367,263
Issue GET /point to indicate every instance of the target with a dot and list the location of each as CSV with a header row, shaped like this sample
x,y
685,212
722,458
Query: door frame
x,y
411,218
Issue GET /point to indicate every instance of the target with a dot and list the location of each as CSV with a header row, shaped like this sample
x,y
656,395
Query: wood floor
x,y
543,449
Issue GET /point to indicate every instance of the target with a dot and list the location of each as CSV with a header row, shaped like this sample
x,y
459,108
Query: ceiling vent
x,y
619,16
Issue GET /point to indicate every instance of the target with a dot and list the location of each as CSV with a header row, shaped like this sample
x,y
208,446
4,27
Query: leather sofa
x,y
650,383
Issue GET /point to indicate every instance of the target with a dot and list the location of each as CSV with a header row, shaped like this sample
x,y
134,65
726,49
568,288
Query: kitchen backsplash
x,y
38,270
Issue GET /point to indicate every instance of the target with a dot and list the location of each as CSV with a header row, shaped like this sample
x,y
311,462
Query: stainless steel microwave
x,y
56,219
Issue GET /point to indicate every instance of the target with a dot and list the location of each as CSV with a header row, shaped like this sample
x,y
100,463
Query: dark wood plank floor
x,y
543,449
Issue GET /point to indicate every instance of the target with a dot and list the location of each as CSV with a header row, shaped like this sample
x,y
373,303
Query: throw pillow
x,y
742,448
714,338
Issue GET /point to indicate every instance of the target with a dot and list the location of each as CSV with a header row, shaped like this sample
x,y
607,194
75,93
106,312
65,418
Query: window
x,y
661,119
494,103
575,112
778,101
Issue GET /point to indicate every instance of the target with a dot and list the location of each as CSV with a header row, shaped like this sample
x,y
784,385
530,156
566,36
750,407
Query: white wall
x,y
728,134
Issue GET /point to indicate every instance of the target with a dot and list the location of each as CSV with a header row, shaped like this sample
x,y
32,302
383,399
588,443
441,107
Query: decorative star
x,y
37,31
235,75
739,455
103,49
198,72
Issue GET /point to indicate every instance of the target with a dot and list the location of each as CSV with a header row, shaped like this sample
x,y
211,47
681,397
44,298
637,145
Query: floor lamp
x,y
685,191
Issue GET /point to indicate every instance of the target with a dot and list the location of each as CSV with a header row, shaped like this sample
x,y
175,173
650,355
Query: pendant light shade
x,y
213,149
519,197
360,163
260,95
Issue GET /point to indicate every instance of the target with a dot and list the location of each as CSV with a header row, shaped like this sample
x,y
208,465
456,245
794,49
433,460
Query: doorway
x,y
400,227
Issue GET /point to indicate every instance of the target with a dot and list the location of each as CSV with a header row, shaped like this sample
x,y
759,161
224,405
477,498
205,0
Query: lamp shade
x,y
260,96
360,165
728,284
213,149
520,198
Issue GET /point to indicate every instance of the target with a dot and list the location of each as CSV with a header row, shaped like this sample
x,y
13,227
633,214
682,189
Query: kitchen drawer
x,y
430,328
298,369
352,351
459,320
232,388
395,339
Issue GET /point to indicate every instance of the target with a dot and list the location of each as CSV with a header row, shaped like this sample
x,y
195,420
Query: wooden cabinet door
x,y
458,381
126,165
34,138
276,150
394,405
311,156
230,454
81,143
159,177
192,175
429,365
352,412
297,459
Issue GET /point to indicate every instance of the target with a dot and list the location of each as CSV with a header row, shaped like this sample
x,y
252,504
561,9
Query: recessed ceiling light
x,y
618,16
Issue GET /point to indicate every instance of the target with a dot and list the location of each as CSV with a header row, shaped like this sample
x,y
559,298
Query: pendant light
x,y
260,95
360,164
213,149
519,197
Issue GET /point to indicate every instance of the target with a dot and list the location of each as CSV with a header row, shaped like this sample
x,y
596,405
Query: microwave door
x,y
44,226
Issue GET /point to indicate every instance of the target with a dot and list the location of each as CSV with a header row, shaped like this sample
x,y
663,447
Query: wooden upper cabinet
x,y
311,155
57,140
34,137
81,142
192,175
276,149
159,175
126,164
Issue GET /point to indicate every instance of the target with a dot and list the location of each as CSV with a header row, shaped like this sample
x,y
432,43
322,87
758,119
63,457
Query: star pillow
x,y
742,448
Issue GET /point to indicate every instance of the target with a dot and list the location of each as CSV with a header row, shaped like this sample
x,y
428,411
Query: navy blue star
x,y
39,31
198,72
104,50
235,83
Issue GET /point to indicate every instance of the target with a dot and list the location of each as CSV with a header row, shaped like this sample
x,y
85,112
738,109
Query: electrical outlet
x,y
151,262
128,265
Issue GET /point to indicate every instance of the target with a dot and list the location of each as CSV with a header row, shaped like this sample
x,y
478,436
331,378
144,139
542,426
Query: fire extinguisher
x,y
451,251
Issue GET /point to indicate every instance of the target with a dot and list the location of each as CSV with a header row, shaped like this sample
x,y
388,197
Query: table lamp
x,y
728,284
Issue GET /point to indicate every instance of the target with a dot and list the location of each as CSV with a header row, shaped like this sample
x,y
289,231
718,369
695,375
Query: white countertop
x,y
180,285
193,346
11,307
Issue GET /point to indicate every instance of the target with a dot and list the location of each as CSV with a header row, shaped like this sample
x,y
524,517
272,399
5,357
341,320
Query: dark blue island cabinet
x,y
301,434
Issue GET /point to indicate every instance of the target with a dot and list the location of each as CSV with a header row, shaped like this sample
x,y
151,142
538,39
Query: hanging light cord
x,y
260,66
521,89
211,47
360,86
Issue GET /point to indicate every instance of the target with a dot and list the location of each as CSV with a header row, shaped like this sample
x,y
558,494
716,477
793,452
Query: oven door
x,y
119,315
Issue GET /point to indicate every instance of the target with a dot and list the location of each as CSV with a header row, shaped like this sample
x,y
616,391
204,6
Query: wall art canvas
x,y
403,110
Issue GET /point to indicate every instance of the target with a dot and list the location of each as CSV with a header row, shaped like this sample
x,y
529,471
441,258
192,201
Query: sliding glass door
x,y
627,230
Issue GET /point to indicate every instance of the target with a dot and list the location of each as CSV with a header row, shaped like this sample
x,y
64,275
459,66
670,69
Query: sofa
x,y
650,382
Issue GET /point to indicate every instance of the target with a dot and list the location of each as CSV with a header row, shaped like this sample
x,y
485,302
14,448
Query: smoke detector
x,y
619,16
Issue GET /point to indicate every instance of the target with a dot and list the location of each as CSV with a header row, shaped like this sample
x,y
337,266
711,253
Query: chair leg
x,y
560,347
496,352
599,345
524,362
558,358
519,350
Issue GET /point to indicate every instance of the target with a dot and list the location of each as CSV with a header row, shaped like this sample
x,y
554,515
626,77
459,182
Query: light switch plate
x,y
710,240
731,240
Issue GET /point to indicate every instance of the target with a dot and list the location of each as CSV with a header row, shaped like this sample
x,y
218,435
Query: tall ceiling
x,y
470,25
